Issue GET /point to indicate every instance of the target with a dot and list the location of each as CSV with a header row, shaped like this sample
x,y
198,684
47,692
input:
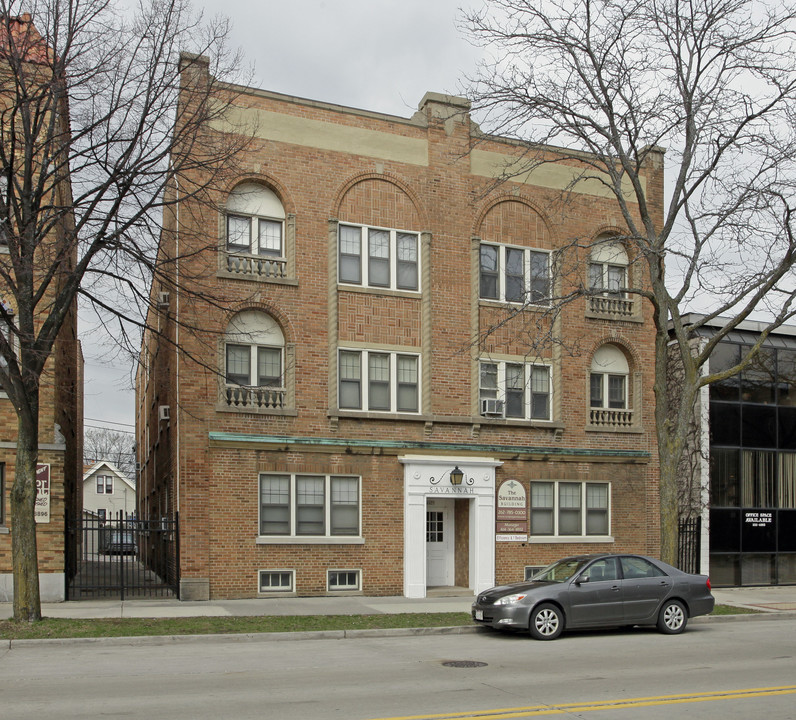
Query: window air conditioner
x,y
164,412
491,406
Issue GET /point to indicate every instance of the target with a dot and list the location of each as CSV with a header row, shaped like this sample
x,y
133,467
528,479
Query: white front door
x,y
439,542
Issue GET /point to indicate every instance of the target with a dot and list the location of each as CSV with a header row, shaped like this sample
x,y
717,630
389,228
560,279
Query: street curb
x,y
153,640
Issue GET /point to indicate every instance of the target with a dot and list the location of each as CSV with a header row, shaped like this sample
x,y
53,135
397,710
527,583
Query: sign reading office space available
x,y
43,493
511,514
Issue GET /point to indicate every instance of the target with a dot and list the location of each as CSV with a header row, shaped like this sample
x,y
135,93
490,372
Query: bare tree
x,y
92,141
112,445
714,83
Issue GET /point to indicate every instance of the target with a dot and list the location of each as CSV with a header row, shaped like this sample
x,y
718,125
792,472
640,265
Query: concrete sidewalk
x,y
765,599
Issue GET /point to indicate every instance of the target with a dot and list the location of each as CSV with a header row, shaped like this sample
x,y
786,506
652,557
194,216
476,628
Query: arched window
x,y
608,380
254,349
608,268
255,221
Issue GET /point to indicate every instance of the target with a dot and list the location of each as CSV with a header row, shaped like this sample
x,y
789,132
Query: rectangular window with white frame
x,y
305,505
521,391
350,580
281,581
514,274
570,509
378,257
379,381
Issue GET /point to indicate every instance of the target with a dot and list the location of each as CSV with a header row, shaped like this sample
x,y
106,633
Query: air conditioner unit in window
x,y
163,301
164,412
490,406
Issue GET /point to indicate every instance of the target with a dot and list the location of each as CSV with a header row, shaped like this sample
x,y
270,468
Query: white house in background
x,y
106,491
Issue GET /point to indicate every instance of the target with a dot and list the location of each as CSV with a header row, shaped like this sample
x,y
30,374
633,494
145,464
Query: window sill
x,y
251,410
308,540
631,430
514,306
519,422
251,277
371,290
370,415
559,539
4,530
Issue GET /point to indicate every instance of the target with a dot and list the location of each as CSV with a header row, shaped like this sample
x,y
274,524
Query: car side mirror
x,y
581,579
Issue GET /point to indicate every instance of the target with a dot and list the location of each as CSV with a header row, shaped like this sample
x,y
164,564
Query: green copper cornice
x,y
373,444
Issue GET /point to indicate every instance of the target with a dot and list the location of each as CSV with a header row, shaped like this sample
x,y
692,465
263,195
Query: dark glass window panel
x,y
725,424
725,531
725,570
786,377
786,530
757,569
758,531
786,569
759,427
725,356
758,381
724,478
787,428
540,277
489,271
515,275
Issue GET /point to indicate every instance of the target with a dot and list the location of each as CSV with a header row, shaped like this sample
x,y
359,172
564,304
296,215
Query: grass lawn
x,y
128,627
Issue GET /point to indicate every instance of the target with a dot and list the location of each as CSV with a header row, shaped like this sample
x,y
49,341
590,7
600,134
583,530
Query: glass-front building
x,y
753,464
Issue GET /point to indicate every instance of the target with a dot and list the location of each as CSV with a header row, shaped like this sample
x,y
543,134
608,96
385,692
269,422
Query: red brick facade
x,y
60,407
430,181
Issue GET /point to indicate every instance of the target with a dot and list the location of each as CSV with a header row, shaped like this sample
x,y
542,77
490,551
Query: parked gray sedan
x,y
597,591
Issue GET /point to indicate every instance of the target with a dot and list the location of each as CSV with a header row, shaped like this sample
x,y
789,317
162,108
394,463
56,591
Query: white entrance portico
x,y
427,478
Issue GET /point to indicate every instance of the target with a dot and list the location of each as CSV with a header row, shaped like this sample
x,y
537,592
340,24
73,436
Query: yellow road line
x,y
539,710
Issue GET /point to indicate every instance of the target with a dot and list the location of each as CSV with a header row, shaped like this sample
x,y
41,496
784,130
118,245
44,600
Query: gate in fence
x,y
689,544
122,557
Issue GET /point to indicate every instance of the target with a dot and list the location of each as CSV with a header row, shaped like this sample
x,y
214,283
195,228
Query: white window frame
x,y
276,589
555,510
605,390
607,256
502,390
502,274
104,480
356,587
365,380
254,351
254,247
292,536
364,257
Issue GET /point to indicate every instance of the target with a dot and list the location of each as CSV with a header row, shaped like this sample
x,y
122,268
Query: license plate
x,y
479,614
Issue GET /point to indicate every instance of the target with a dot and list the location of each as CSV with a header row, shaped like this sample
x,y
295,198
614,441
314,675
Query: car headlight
x,y
510,599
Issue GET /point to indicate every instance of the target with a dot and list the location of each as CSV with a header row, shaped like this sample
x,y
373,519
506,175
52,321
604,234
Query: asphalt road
x,y
737,669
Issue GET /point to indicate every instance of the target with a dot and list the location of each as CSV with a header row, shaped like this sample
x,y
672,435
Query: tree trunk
x,y
27,601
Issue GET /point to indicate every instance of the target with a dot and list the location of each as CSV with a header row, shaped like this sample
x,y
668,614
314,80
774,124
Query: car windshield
x,y
559,571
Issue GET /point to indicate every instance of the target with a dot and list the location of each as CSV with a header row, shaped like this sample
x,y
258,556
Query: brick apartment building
x,y
371,405
61,390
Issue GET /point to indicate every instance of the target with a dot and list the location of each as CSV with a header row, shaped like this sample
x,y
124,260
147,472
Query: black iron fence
x,y
123,557
689,544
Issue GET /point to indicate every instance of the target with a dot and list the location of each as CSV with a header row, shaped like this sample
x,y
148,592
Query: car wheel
x,y
672,618
547,622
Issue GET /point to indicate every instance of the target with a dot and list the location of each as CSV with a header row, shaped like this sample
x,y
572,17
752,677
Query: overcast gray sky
x,y
380,55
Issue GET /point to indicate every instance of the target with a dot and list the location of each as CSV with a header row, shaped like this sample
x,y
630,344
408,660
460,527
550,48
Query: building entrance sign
x,y
511,516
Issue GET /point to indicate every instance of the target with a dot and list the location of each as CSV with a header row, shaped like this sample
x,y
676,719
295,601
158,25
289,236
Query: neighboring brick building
x,y
348,379
61,388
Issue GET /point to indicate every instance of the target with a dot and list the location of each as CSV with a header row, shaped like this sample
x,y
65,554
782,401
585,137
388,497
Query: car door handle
x,y
615,588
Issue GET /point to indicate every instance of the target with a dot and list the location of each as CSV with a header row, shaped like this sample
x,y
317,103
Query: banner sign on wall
x,y
43,493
